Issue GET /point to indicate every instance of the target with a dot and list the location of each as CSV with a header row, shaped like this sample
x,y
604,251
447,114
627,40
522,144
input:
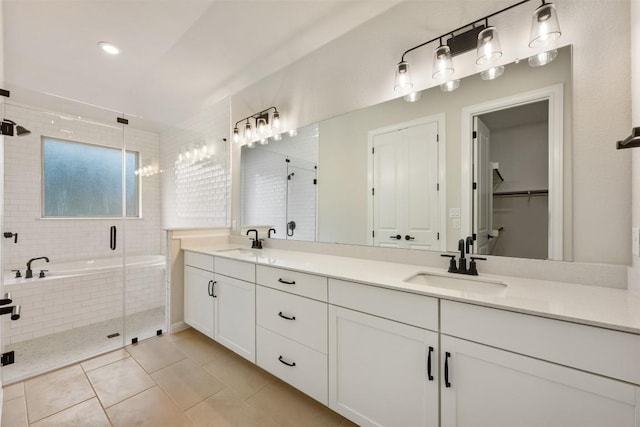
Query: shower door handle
x,y
112,243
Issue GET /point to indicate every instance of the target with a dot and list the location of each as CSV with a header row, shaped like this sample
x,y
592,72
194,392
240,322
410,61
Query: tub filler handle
x,y
14,310
7,299
112,236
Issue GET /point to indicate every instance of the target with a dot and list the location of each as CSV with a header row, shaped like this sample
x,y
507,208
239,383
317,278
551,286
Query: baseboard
x,y
178,326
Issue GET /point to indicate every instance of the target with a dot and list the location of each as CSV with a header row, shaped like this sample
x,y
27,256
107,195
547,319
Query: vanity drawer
x,y
276,353
412,309
309,324
198,260
603,351
239,269
307,285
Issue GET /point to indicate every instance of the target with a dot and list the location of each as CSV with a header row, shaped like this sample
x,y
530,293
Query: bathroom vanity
x,y
380,349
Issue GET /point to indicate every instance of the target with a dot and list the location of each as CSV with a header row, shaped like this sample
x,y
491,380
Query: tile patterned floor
x,y
184,379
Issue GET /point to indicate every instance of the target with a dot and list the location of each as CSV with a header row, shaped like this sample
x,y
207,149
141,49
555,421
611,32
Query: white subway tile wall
x,y
197,195
269,198
54,304
71,239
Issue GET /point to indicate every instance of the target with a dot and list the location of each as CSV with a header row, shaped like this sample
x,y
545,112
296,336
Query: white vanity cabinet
x,y
221,305
484,385
291,334
383,366
235,306
198,299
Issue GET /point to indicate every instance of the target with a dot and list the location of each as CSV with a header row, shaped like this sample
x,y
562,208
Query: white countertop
x,y
591,305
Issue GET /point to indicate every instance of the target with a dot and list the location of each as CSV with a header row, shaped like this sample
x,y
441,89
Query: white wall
x,y
634,271
357,70
196,195
71,239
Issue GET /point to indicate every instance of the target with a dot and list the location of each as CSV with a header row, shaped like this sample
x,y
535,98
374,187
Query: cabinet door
x,y
198,303
491,387
379,370
235,324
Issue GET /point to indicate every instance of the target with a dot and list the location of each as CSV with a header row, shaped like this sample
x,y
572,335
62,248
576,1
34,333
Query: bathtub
x,y
75,268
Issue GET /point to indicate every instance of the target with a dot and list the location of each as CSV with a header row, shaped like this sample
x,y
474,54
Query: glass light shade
x,y
293,132
489,49
261,126
248,132
275,122
251,144
544,26
413,97
542,58
403,77
442,63
450,86
264,141
277,137
492,73
236,135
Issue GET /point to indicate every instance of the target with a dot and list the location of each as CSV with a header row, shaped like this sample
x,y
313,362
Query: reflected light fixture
x,y
275,120
236,135
293,132
450,86
484,38
277,137
413,96
261,126
248,133
109,48
492,73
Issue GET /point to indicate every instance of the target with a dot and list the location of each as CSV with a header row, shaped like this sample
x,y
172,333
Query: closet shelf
x,y
527,193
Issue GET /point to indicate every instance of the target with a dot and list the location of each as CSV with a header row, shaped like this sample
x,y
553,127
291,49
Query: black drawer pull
x,y
429,364
447,355
286,317
293,282
213,287
210,288
285,362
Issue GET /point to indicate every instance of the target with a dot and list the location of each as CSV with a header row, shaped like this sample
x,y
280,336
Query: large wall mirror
x,y
412,175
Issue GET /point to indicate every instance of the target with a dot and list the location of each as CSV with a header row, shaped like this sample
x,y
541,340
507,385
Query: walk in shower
x,y
81,197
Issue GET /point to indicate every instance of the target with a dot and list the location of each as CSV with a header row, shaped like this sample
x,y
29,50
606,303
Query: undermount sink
x,y
465,284
247,253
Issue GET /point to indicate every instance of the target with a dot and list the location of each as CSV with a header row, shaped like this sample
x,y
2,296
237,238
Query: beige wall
x,y
634,271
356,70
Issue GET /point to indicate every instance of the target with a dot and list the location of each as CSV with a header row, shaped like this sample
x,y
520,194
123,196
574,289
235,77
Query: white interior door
x,y
388,205
406,207
483,187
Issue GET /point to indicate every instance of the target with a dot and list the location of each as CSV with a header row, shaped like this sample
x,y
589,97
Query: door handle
x,y
429,364
407,237
447,355
397,237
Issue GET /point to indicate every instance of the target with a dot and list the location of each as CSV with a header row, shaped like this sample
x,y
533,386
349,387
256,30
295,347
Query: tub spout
x,y
29,273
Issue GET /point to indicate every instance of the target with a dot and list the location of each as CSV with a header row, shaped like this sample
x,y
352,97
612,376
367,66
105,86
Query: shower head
x,y
6,128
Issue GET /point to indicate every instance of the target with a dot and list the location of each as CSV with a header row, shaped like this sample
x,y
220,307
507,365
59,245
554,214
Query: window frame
x,y
138,183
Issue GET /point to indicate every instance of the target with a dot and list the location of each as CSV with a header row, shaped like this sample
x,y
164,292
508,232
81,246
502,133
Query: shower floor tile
x,y
53,351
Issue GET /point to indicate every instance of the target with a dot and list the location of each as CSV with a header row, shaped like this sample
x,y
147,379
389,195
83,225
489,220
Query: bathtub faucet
x,y
29,273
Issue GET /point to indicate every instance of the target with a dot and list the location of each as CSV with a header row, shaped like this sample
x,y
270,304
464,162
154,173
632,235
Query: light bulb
x,y
488,46
442,63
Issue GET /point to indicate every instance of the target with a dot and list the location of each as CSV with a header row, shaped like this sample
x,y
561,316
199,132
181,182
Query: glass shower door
x,y
63,208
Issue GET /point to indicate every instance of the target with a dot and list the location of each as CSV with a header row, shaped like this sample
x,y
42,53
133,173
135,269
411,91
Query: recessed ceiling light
x,y
109,48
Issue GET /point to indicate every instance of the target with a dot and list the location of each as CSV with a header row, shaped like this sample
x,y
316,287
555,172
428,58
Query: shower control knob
x,y
41,275
18,274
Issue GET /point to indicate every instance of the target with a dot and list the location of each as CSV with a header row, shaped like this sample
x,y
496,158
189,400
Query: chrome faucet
x,y
29,274
464,246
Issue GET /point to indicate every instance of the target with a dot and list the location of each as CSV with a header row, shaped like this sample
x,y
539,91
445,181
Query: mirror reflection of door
x,y
405,206
511,204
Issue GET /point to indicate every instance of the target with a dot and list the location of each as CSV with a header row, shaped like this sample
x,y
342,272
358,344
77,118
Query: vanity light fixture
x,y
484,38
262,129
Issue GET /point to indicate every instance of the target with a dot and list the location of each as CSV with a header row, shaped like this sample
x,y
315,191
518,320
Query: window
x,y
84,180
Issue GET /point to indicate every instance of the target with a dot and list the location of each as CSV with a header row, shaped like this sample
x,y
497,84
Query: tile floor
x,y
184,379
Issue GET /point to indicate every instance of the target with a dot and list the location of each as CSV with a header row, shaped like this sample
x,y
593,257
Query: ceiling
x,y
176,55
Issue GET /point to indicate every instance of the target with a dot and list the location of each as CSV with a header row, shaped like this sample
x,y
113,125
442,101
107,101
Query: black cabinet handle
x,y
447,355
213,286
397,237
112,243
284,362
429,364
407,237
293,282
286,317
210,288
